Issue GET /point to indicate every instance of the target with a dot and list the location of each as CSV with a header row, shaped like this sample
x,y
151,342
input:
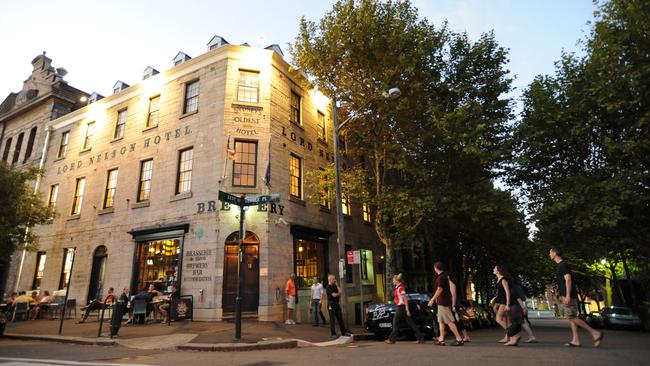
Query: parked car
x,y
619,317
593,319
379,317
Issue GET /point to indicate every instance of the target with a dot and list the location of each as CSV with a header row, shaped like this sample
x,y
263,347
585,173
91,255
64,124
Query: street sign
x,y
261,199
229,198
354,257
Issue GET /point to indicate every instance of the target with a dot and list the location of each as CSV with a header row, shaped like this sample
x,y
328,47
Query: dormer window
x,y
119,86
276,49
149,72
94,97
180,58
216,42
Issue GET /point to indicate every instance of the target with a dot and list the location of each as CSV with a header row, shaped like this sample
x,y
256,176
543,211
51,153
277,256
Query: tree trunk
x,y
618,298
629,281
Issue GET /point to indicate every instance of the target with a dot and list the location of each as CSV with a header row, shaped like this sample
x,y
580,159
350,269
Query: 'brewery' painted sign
x,y
124,150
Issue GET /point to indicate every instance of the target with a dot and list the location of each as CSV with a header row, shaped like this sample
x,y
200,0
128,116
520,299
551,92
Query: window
x,y
144,188
111,186
295,108
349,278
325,193
191,97
367,267
89,135
244,168
38,272
120,125
157,263
19,144
184,181
321,127
54,194
152,119
30,144
63,145
366,212
248,87
296,176
5,154
345,204
310,262
68,255
78,196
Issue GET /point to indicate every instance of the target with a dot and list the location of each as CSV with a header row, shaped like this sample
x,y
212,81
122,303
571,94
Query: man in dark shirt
x,y
445,297
568,304
334,307
164,308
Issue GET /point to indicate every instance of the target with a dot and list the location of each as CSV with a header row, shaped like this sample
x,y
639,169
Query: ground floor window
x,y
310,262
157,263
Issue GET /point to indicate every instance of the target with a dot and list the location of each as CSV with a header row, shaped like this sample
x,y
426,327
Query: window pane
x,y
89,134
310,262
111,186
78,196
245,164
321,126
191,97
120,125
184,171
54,193
296,176
152,120
248,87
144,188
63,146
40,268
295,108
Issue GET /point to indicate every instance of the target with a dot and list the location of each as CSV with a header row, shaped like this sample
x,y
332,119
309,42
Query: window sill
x,y
85,150
73,217
181,196
323,142
325,209
297,125
150,128
140,204
60,158
188,114
297,200
248,106
106,210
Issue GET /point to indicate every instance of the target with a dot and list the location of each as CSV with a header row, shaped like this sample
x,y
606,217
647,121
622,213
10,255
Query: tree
x,y
20,209
581,148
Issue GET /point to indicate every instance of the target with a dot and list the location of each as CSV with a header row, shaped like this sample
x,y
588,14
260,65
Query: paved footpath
x,y
619,348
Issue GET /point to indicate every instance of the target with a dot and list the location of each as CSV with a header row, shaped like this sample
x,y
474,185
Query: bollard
x,y
116,318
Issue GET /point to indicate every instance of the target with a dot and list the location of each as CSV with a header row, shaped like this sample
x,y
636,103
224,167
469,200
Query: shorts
x,y
445,315
569,311
291,302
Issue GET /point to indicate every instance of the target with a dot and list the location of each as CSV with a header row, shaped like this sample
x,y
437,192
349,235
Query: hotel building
x,y
135,178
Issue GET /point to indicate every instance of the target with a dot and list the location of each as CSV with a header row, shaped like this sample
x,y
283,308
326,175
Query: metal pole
x,y
67,290
340,229
239,273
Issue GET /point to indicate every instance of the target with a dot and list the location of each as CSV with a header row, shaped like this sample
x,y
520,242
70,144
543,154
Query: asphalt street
x,y
618,348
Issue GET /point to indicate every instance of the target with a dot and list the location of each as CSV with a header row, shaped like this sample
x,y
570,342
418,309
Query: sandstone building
x,y
135,178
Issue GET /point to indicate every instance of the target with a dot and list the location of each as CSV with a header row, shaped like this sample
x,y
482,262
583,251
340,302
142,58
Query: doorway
x,y
250,273
96,287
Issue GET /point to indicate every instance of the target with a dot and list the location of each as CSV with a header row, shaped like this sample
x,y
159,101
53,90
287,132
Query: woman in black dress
x,y
508,311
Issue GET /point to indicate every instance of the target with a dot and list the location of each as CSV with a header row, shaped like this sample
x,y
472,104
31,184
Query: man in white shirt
x,y
317,291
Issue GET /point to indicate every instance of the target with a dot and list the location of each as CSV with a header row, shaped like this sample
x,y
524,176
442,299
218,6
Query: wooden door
x,y
250,278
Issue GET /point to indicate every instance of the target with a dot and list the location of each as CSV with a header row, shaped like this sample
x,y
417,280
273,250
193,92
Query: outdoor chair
x,y
55,306
70,306
139,309
21,310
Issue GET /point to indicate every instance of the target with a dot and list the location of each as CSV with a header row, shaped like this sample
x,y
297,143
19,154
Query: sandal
x,y
598,340
438,343
572,345
457,343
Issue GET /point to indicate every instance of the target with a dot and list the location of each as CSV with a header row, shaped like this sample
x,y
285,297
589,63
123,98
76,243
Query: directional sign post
x,y
243,201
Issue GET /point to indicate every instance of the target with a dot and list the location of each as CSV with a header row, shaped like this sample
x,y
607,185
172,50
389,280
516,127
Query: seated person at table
x,y
97,304
11,301
47,298
24,298
125,298
164,308
35,308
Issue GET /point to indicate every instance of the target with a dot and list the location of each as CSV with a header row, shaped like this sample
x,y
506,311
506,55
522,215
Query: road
x,y
619,348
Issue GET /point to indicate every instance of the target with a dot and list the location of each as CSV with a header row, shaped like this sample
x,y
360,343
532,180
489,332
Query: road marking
x,y
37,361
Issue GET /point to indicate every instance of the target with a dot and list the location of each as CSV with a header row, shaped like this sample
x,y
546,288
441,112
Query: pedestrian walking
x,y
568,305
502,301
402,312
290,292
334,307
445,297
520,295
317,291
512,315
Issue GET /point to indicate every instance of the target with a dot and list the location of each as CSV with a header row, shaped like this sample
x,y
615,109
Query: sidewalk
x,y
182,335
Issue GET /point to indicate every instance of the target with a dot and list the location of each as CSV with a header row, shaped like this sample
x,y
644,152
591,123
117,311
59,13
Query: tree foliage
x,y
581,149
20,209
